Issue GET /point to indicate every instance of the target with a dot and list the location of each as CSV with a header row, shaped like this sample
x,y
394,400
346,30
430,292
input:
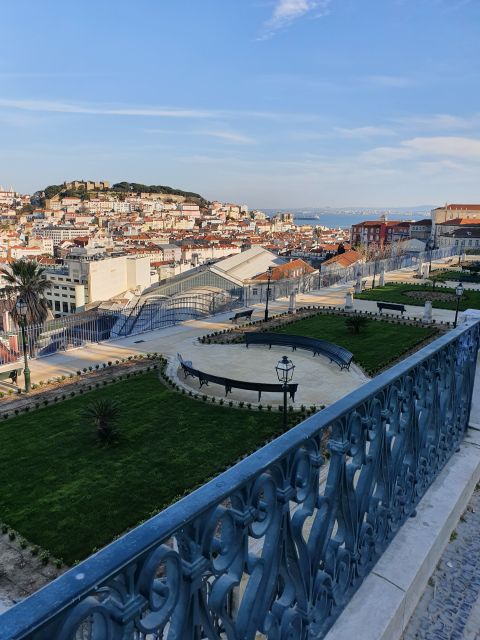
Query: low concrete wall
x,y
382,607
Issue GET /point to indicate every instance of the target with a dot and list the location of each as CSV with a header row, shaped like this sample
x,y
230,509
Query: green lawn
x,y
377,345
65,493
457,276
393,292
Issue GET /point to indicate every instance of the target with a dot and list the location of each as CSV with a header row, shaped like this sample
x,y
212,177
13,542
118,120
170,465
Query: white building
x,y
83,281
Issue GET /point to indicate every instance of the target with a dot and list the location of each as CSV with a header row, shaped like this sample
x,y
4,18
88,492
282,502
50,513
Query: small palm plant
x,y
103,415
356,323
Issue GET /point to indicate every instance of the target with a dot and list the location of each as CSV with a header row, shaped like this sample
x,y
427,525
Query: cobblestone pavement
x,y
450,607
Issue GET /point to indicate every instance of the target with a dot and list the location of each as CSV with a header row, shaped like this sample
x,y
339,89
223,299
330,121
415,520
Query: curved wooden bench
x,y
229,384
334,352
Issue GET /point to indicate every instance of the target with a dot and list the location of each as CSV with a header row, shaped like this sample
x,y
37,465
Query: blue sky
x,y
274,103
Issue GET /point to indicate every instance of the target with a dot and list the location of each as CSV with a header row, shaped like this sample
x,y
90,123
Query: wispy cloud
x,y
441,122
287,11
51,106
223,134
391,81
449,146
364,132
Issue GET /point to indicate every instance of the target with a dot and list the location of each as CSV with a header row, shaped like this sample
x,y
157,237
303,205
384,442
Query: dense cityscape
x,y
240,320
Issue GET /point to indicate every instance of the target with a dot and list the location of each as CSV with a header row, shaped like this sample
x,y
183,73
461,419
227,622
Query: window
x,y
65,307
57,305
254,292
73,308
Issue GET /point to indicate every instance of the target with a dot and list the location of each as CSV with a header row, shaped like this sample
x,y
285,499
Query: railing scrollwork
x,y
268,547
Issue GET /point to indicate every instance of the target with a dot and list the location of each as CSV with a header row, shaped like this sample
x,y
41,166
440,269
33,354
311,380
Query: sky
x,y
271,103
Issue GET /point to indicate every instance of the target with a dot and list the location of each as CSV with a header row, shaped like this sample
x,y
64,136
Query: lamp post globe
x,y
285,369
459,293
269,277
22,309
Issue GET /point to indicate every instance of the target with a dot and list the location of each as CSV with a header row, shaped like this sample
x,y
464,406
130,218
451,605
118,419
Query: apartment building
x,y
95,278
58,233
452,211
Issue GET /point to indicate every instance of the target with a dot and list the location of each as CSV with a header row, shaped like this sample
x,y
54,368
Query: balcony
x,y
276,546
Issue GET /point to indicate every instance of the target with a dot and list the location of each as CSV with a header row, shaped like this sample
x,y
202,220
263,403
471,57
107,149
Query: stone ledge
x,y
381,608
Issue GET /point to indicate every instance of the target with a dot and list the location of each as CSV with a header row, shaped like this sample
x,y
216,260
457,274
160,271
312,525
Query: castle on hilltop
x,y
87,185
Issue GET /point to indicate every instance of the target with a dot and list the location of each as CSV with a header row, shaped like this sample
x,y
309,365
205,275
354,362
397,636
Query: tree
x,y
355,323
103,415
26,279
341,249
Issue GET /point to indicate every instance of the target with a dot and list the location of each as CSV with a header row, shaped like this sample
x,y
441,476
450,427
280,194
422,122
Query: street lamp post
x,y
269,277
285,369
459,294
22,308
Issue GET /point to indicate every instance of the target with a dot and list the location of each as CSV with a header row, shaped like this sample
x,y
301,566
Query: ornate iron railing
x,y
267,547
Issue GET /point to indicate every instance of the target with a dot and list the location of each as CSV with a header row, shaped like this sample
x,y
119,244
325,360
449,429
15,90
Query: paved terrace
x,y
170,340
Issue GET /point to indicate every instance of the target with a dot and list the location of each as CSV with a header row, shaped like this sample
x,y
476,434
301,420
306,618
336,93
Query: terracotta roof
x,y
459,221
344,259
285,270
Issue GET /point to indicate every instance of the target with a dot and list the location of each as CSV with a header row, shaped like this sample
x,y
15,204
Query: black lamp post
x,y
269,277
285,369
22,309
459,294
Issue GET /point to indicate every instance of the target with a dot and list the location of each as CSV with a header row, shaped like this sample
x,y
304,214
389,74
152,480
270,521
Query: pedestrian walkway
x,y
450,606
166,341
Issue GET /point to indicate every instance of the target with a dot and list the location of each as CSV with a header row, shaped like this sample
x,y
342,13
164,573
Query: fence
x,y
331,276
103,324
266,547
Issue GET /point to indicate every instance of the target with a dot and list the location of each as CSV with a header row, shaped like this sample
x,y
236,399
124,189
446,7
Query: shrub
x,y
11,535
44,557
4,528
109,363
103,414
213,399
204,398
269,407
90,368
23,543
260,407
79,373
85,369
72,393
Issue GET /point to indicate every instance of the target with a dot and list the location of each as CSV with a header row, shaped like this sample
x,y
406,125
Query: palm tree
x,y
26,279
103,414
355,323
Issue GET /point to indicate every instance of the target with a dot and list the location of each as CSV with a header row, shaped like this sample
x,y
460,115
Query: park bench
x,y
12,374
229,384
391,306
334,352
242,314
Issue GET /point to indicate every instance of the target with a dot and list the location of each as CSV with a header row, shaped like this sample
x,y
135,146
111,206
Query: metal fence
x,y
103,324
267,547
340,275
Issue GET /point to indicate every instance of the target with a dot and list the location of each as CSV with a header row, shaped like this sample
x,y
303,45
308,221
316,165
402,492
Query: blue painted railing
x,y
266,547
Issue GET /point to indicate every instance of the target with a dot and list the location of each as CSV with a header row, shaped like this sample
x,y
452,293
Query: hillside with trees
x,y
120,188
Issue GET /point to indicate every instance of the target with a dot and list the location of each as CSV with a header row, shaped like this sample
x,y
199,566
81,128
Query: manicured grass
x,y
377,344
64,492
393,292
457,276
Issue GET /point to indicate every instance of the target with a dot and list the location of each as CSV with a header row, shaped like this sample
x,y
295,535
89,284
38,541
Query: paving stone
x,y
451,609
